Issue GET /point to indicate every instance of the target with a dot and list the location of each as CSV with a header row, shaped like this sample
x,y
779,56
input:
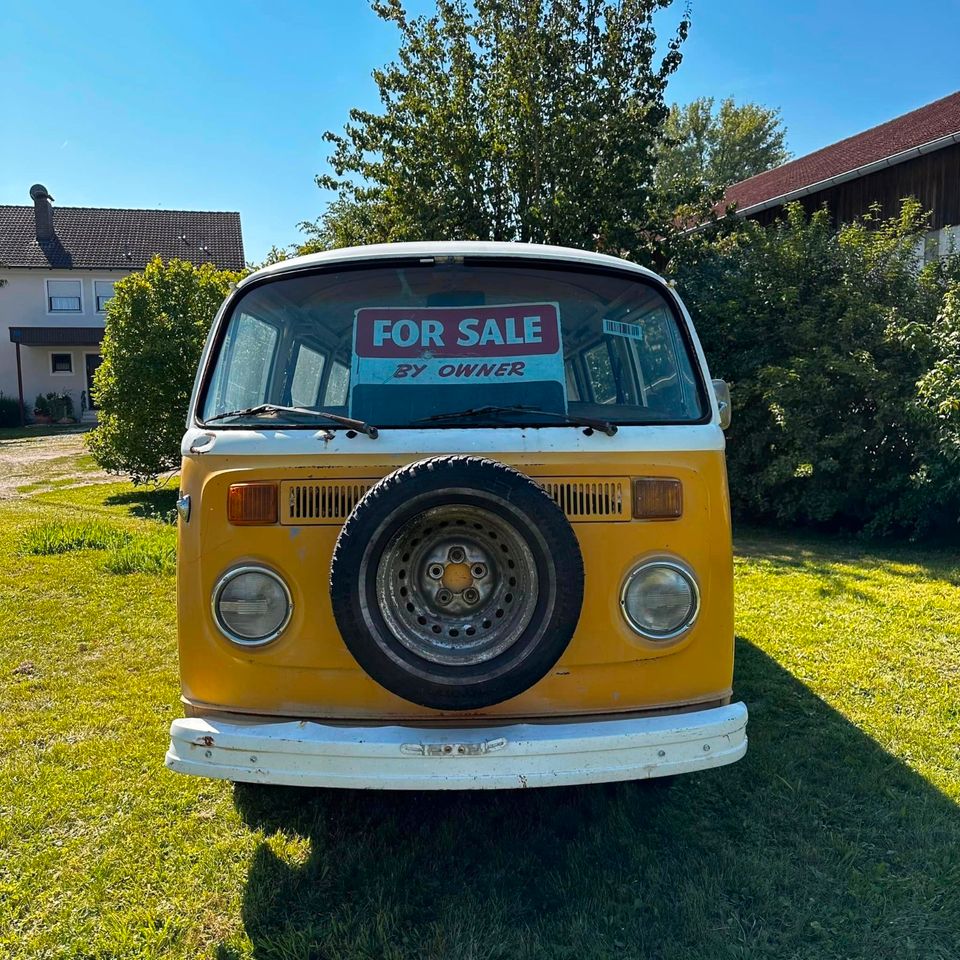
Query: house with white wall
x,y
58,266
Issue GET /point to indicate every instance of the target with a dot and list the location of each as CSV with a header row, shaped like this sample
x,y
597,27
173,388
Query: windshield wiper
x,y
604,426
359,425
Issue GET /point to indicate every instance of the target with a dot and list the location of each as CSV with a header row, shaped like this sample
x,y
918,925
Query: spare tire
x,y
456,582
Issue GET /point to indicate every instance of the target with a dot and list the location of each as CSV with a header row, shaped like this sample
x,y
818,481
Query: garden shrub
x,y
824,335
156,325
9,411
57,406
939,387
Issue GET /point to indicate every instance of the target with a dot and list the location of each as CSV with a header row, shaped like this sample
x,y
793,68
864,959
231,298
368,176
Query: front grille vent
x,y
320,501
317,502
583,499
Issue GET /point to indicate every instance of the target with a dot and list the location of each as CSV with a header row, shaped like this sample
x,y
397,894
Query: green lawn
x,y
837,836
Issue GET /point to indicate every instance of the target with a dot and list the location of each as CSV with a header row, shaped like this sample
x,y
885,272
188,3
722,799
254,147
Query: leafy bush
x,y
9,411
940,386
824,335
156,325
57,406
60,405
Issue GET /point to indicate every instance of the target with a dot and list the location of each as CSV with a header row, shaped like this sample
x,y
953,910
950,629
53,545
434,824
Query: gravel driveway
x,y
46,462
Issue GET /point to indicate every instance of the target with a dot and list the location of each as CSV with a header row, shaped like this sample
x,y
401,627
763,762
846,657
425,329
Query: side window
x,y
573,388
242,381
337,384
662,361
603,383
307,376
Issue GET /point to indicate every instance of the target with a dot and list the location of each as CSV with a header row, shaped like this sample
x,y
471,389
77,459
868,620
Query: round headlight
x,y
660,600
251,605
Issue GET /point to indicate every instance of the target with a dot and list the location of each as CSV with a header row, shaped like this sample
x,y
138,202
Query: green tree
x,y
707,148
528,120
156,325
824,335
940,386
347,222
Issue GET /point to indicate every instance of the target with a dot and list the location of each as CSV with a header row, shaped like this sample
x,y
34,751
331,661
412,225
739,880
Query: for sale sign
x,y
503,354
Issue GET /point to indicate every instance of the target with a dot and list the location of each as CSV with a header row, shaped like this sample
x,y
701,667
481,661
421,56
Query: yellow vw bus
x,y
454,515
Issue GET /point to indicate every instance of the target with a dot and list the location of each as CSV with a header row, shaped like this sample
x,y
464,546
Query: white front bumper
x,y
312,754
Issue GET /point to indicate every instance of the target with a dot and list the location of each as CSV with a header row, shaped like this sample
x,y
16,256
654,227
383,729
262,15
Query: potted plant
x,y
41,410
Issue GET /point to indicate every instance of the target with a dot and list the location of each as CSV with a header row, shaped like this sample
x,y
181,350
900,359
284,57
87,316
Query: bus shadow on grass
x,y
818,843
148,503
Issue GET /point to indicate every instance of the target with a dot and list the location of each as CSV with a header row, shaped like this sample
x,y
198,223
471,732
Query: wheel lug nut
x,y
435,570
479,570
457,555
471,595
444,597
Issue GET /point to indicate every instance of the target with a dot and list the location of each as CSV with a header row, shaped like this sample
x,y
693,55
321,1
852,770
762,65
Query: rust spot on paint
x,y
207,740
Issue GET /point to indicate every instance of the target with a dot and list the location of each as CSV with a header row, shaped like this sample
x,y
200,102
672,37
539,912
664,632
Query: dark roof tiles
x,y
933,122
108,239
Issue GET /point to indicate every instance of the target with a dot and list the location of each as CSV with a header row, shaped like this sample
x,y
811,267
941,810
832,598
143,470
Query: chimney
x,y
42,211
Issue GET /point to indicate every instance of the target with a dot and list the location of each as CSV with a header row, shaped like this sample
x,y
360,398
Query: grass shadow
x,y
832,557
818,844
151,503
33,432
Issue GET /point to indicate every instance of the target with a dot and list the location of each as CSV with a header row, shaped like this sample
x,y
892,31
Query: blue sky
x,y
223,106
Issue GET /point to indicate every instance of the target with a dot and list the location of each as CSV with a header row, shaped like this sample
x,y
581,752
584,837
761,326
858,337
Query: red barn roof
x,y
937,121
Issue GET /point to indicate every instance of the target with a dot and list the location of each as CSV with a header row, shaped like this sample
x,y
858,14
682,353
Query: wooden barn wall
x,y
934,179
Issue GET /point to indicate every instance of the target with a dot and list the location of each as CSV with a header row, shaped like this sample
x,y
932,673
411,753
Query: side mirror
x,y
722,390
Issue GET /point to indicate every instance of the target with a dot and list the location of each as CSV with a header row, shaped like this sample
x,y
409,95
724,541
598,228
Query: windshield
x,y
419,344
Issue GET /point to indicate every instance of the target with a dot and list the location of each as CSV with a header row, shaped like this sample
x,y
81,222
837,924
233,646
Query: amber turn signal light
x,y
252,503
657,498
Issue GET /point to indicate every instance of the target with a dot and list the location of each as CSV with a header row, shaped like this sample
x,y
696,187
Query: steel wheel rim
x,y
457,585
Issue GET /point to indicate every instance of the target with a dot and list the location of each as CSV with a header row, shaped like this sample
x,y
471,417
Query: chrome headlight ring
x,y
686,621
229,577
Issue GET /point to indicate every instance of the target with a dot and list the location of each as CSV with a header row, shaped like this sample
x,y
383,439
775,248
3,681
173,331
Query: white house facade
x,y
58,267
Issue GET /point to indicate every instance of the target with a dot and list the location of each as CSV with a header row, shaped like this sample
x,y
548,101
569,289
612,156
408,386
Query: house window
x,y
102,291
63,296
61,363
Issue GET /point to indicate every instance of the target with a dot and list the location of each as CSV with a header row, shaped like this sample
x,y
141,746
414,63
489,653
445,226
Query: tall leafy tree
x,y
529,120
708,147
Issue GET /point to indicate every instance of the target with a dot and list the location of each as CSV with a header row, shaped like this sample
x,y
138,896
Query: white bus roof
x,y
446,248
